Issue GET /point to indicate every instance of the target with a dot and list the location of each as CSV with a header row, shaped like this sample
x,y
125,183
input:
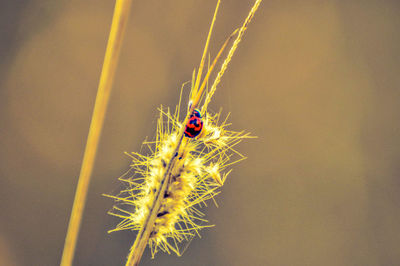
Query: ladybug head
x,y
196,113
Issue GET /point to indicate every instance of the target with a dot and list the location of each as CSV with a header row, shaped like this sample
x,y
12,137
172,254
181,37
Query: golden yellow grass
x,y
180,173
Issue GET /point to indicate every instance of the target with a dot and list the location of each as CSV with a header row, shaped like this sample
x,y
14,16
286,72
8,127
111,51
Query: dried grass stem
x,y
120,18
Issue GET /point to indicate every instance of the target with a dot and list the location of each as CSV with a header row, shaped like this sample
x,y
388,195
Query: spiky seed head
x,y
195,178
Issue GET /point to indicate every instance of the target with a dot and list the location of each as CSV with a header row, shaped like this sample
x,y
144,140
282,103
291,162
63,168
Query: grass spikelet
x,y
195,178
166,188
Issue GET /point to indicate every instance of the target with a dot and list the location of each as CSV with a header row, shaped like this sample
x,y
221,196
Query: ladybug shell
x,y
193,126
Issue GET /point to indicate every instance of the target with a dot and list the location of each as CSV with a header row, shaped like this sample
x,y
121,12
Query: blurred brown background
x,y
317,81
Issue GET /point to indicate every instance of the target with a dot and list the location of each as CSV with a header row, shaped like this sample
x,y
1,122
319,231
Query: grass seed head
x,y
197,175
167,187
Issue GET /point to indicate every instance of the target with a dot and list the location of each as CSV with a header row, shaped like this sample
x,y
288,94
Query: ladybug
x,y
194,125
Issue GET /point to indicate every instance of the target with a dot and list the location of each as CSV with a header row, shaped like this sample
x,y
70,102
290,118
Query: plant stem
x,y
120,18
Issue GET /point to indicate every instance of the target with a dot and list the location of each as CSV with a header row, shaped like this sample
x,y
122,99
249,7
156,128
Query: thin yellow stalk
x,y
231,52
197,97
203,58
120,18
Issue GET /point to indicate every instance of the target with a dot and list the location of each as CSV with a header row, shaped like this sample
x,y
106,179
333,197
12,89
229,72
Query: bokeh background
x,y
317,81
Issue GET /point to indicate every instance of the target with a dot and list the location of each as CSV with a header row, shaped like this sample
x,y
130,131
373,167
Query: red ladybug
x,y
194,125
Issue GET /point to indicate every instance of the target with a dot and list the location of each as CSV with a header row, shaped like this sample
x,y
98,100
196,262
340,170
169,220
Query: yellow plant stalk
x,y
167,187
120,18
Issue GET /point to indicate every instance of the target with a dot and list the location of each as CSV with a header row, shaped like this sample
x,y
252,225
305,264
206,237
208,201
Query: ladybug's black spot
x,y
193,127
